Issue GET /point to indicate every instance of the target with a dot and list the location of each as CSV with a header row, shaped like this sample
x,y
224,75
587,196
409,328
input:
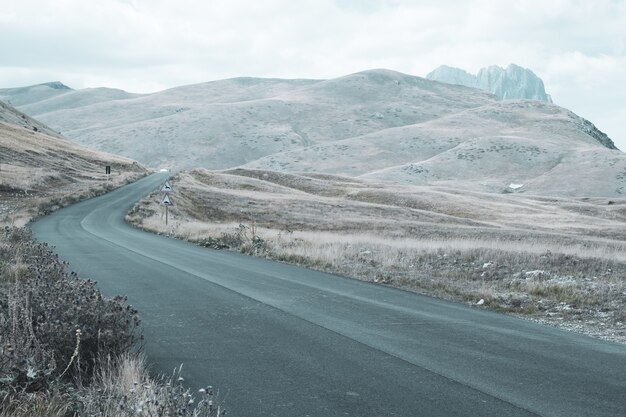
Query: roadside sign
x,y
167,201
167,187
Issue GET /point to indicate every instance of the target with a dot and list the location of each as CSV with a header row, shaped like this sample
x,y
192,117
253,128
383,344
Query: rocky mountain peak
x,y
514,82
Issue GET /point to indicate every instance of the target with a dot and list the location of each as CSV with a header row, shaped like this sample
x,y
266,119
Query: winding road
x,y
280,340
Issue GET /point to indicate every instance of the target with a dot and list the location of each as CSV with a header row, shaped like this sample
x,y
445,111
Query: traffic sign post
x,y
167,202
167,187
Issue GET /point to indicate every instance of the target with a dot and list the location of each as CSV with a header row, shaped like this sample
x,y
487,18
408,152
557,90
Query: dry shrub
x,y
244,239
123,388
37,405
57,337
53,324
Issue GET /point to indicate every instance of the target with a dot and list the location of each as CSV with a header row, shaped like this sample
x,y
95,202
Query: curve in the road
x,y
286,341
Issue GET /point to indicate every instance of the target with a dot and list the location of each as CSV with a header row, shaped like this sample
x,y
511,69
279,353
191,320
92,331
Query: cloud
x,y
277,37
591,86
577,46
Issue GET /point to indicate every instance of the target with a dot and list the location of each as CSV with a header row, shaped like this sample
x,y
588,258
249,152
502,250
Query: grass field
x,y
557,260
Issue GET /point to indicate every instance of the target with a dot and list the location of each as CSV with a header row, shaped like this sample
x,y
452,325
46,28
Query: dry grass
x,y
40,173
40,405
123,388
562,261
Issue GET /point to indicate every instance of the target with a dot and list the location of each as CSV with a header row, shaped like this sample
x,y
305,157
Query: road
x,y
279,340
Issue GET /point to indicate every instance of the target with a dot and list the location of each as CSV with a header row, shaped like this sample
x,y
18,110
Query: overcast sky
x,y
577,47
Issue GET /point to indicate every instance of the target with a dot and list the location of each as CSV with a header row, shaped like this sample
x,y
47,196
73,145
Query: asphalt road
x,y
279,340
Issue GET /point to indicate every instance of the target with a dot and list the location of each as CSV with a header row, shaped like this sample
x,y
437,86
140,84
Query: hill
x,y
9,115
21,96
227,123
507,146
377,124
40,171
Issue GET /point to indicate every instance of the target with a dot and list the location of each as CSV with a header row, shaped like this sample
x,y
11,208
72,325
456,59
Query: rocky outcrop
x,y
514,82
591,129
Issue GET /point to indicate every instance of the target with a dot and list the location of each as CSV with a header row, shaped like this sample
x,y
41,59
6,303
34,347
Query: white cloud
x,y
593,87
577,46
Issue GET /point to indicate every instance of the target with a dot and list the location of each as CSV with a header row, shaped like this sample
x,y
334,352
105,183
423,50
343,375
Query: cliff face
x,y
514,82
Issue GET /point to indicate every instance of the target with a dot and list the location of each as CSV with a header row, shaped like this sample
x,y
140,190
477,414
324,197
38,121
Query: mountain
x,y
511,83
376,124
227,123
21,96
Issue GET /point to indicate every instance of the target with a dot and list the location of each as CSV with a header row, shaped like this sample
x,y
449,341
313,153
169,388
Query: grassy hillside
x,y
557,260
40,171
21,96
540,148
376,124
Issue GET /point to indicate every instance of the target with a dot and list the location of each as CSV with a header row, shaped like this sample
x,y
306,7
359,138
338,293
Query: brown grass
x,y
124,388
40,173
40,405
560,261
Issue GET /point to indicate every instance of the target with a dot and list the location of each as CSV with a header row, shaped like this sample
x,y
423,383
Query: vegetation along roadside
x,y
556,260
65,349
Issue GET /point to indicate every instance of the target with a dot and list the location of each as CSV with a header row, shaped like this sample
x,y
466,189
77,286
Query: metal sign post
x,y
167,201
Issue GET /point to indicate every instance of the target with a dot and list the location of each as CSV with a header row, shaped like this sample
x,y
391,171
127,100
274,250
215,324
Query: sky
x,y
577,47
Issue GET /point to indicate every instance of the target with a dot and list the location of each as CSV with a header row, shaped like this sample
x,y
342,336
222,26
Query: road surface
x,y
279,340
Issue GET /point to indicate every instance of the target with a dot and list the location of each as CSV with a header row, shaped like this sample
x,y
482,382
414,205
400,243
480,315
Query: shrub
x,y
122,388
53,324
244,239
67,350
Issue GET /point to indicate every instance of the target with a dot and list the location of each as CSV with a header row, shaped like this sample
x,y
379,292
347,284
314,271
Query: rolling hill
x,y
507,146
41,171
374,124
